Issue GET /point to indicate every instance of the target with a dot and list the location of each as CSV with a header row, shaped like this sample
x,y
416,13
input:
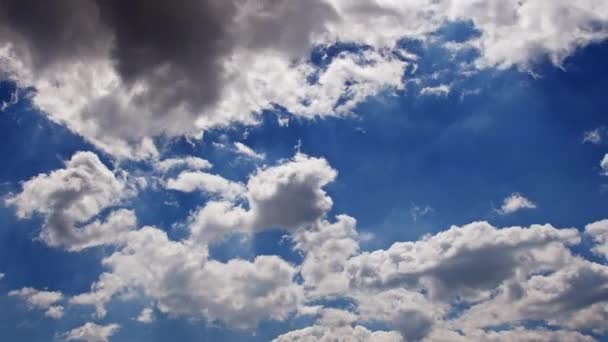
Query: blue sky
x,y
441,128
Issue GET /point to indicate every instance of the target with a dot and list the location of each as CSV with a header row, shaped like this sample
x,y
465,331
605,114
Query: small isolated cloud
x,y
417,211
91,332
514,203
440,90
604,165
247,151
146,316
595,136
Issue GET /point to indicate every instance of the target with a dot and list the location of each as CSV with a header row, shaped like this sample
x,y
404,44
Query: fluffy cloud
x,y
514,203
91,332
116,78
604,165
72,196
457,284
43,300
287,196
599,233
337,325
182,281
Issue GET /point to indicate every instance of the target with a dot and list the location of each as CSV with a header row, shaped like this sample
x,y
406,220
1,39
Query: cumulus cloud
x,y
599,233
42,300
604,165
91,332
182,281
69,198
453,285
115,77
286,196
514,203
337,325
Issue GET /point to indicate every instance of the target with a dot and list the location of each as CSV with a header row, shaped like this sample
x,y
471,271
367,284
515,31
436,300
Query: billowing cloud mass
x,y
109,72
70,199
150,84
495,276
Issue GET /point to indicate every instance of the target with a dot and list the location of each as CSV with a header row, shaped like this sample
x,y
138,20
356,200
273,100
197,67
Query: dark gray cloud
x,y
175,48
51,31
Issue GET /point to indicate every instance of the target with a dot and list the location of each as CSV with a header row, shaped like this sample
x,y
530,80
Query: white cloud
x,y
496,276
188,181
86,91
91,332
146,316
604,164
74,195
43,300
337,325
287,196
599,233
190,163
182,281
440,90
514,203
248,151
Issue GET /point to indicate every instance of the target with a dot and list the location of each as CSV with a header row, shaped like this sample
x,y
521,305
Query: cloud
x,y
72,196
180,279
599,233
43,300
417,212
286,196
248,152
146,316
188,181
594,136
514,203
604,164
91,332
338,325
458,284
190,163
115,77
440,90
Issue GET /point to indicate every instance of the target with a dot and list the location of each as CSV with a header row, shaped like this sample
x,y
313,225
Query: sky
x,y
323,170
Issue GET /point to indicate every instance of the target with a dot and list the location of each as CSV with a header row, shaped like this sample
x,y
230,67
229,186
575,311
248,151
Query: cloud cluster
x,y
458,284
109,72
43,300
70,200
